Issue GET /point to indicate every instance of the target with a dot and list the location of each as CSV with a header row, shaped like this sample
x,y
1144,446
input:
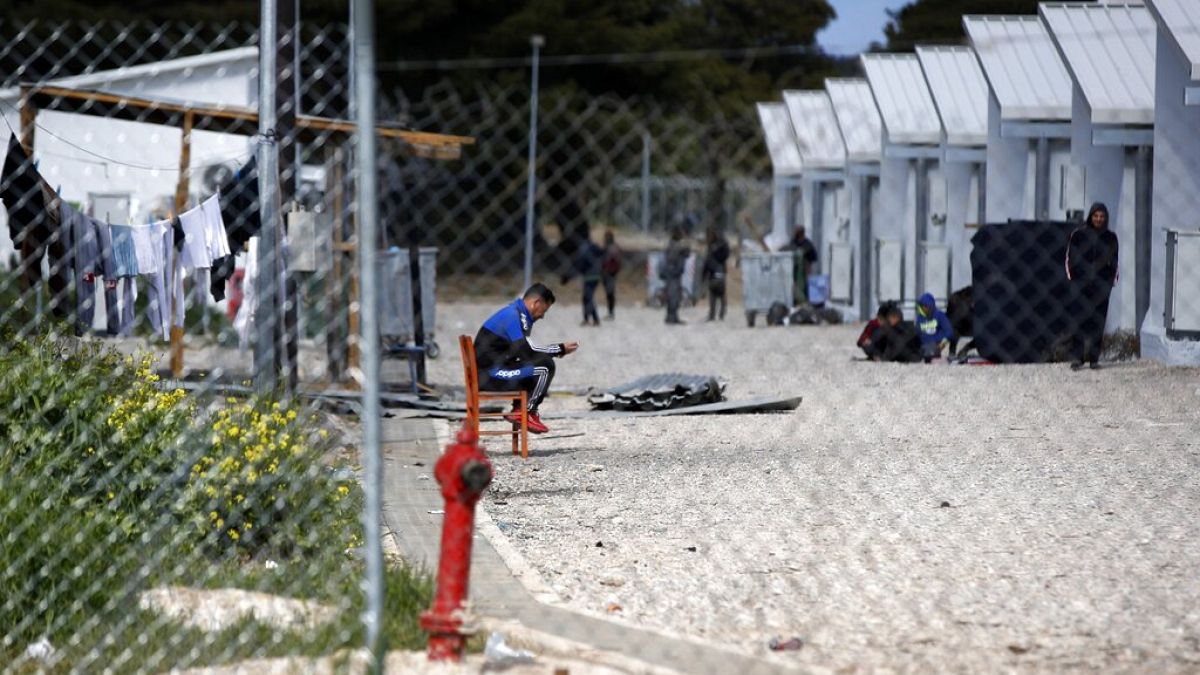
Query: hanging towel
x,y
214,228
195,246
124,257
147,246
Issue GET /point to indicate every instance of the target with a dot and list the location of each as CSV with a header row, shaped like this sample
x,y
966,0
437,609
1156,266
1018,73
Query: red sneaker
x,y
536,425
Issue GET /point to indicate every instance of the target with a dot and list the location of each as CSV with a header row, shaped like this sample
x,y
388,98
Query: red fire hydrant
x,y
464,472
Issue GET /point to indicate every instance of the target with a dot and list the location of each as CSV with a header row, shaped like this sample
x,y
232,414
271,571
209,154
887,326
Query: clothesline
x,y
199,239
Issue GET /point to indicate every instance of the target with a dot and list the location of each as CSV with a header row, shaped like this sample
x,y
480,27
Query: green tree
x,y
940,21
420,30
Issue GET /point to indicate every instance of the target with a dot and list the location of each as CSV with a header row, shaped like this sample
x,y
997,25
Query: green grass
x,y
82,533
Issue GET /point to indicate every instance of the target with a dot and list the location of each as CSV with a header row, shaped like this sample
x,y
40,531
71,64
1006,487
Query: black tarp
x,y
1024,304
660,392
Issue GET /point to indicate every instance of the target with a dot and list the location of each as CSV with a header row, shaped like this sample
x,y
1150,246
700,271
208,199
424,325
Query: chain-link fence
x,y
179,485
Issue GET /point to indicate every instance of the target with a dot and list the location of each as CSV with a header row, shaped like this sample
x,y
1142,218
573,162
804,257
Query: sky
x,y
859,23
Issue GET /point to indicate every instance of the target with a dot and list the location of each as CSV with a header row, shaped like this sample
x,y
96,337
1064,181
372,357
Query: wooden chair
x,y
474,396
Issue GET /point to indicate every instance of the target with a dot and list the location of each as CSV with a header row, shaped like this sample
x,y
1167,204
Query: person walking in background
x,y
1092,254
587,266
610,266
934,328
716,257
671,272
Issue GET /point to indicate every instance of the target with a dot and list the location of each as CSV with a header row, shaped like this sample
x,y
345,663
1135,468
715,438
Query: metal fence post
x,y
645,220
266,315
364,96
531,185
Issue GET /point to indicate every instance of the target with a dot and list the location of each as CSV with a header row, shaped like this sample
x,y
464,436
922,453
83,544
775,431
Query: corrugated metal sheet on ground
x,y
905,104
960,92
781,139
1109,50
660,392
857,118
1022,67
820,140
750,406
1181,18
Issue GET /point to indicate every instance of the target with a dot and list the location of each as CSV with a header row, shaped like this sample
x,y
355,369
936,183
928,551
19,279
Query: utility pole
x,y
531,186
266,316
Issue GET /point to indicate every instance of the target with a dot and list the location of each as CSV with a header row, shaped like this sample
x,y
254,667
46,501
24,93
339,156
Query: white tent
x,y
1170,332
862,132
1109,52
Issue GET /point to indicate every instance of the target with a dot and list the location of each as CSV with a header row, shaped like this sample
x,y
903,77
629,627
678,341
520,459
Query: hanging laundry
x,y
108,268
240,215
214,227
161,305
147,246
243,323
33,225
127,288
83,242
222,271
123,252
21,190
196,252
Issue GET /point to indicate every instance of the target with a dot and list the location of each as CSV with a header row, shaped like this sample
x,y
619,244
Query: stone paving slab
x,y
410,493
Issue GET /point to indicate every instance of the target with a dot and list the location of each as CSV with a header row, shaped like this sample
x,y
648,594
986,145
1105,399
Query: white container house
x,y
862,132
960,93
1029,170
826,212
1170,332
906,264
1109,52
786,167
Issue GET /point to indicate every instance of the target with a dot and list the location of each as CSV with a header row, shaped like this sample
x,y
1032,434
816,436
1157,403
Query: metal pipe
x,y
367,183
1143,229
1041,180
266,313
531,166
865,186
921,231
645,215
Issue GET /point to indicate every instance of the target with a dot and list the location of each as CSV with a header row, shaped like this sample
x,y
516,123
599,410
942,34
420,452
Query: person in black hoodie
x,y
1091,264
715,258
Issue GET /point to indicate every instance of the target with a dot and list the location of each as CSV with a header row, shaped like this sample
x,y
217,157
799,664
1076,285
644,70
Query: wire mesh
x,y
181,477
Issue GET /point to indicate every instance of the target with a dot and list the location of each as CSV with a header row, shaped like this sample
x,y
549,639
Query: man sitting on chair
x,y
508,361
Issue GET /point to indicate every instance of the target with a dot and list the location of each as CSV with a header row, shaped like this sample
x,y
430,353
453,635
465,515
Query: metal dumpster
x,y
395,297
656,288
766,279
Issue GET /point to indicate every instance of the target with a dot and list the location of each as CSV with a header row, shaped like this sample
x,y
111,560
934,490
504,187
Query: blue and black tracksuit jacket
x,y
502,347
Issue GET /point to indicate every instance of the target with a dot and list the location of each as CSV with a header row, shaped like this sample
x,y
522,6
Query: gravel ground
x,y
906,518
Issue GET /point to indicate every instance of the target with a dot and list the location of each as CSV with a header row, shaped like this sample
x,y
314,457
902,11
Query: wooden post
x,y
181,196
28,121
334,345
354,352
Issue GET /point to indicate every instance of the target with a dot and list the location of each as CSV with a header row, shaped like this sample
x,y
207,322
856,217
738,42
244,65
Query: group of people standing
x,y
713,271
